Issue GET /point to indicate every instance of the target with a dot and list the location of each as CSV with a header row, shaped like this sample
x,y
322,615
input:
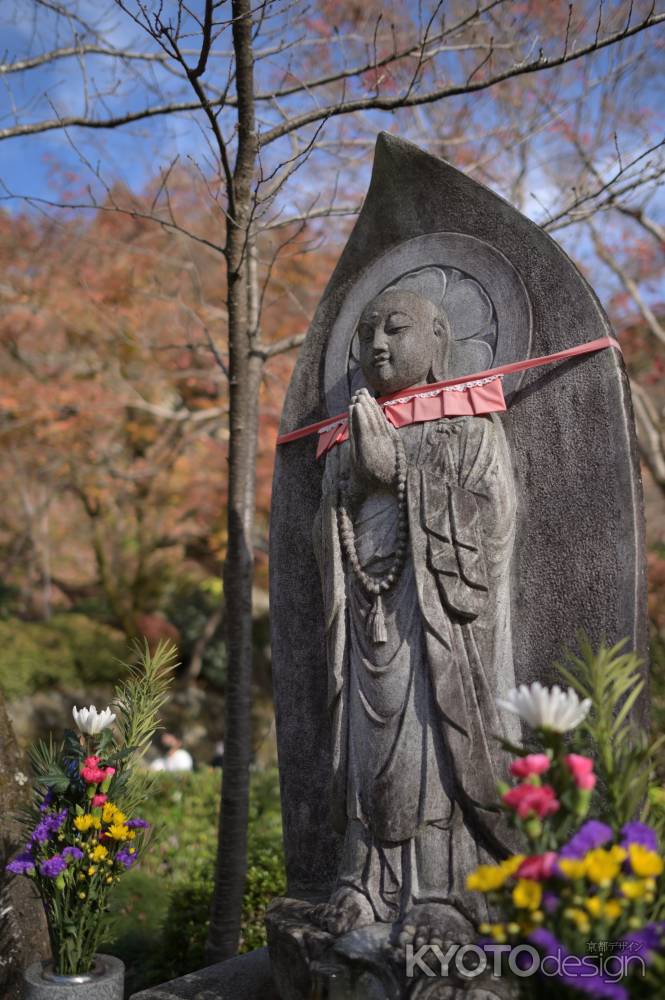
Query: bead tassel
x,y
376,623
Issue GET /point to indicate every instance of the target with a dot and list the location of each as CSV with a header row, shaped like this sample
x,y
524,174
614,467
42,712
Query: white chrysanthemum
x,y
542,708
90,721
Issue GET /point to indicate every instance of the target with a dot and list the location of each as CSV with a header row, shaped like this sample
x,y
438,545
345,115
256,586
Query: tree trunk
x,y
245,369
23,933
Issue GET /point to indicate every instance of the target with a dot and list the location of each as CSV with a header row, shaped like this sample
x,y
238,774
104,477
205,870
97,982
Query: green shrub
x,y
266,879
66,651
162,908
190,608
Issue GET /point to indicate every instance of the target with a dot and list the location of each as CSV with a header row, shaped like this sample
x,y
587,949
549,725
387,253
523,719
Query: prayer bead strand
x,y
377,585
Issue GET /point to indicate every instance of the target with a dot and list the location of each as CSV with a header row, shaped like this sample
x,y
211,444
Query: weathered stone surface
x,y
359,965
295,945
108,984
247,977
23,932
578,555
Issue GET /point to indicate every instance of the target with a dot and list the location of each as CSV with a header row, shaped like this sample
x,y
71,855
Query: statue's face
x,y
398,334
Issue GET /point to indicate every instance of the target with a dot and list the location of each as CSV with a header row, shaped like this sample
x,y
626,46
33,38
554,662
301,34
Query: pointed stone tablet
x,y
578,561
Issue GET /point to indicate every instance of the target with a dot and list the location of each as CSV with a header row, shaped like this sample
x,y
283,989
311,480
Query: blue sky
x,y
36,165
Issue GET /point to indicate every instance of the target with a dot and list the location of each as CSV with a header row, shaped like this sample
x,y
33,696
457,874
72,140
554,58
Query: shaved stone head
x,y
400,335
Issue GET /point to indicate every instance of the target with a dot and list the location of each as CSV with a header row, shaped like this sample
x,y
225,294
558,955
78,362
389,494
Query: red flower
x,y
534,763
538,866
98,800
527,799
91,771
581,769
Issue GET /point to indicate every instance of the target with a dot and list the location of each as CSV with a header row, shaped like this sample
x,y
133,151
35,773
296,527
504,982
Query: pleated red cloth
x,y
471,395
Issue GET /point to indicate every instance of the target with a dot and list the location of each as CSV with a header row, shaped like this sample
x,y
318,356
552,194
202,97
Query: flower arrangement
x,y
82,828
587,895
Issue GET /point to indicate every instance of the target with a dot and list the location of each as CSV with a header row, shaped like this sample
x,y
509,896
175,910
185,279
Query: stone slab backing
x,y
579,559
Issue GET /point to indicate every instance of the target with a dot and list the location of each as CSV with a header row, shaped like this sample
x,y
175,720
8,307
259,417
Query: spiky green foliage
x,y
137,704
623,750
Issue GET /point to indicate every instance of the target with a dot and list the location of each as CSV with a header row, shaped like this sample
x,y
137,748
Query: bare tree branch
x,y
654,325
650,432
401,101
650,225
282,346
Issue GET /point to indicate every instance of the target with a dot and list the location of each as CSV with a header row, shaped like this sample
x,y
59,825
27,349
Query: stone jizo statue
x,y
413,538
463,537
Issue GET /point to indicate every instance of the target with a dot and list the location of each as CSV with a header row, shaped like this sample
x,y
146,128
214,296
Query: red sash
x,y
470,395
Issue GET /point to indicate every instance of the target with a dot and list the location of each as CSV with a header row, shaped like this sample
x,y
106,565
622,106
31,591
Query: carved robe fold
x,y
414,719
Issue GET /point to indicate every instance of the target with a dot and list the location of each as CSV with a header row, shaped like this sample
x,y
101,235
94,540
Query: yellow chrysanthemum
x,y
644,862
111,814
510,865
579,918
498,933
609,909
573,869
85,822
486,878
119,831
602,866
92,870
99,853
634,888
527,894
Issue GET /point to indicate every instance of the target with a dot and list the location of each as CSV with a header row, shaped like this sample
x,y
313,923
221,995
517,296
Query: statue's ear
x,y
442,343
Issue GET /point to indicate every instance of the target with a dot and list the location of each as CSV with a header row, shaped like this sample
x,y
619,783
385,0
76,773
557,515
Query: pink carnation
x,y
91,772
534,763
538,866
109,772
98,800
581,769
527,799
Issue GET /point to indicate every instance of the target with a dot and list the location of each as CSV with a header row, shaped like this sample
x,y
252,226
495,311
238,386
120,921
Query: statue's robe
x,y
415,756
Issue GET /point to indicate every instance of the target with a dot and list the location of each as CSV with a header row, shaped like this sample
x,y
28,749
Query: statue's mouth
x,y
381,360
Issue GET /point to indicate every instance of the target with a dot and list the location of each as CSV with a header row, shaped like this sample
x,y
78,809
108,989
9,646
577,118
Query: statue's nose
x,y
380,344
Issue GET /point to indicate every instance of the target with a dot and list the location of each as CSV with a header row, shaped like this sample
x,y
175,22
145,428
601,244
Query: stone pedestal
x,y
310,964
247,977
104,982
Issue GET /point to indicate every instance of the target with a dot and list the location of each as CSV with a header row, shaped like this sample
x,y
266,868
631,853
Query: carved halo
x,y
470,315
480,291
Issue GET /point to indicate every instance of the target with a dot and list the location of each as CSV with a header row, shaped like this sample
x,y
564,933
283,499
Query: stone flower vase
x,y
105,981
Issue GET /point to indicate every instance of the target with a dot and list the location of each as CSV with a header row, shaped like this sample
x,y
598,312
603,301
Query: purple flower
x,y
594,986
647,940
639,833
593,834
53,867
125,858
597,986
47,826
75,853
137,824
546,942
550,902
58,820
22,864
41,833
47,800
